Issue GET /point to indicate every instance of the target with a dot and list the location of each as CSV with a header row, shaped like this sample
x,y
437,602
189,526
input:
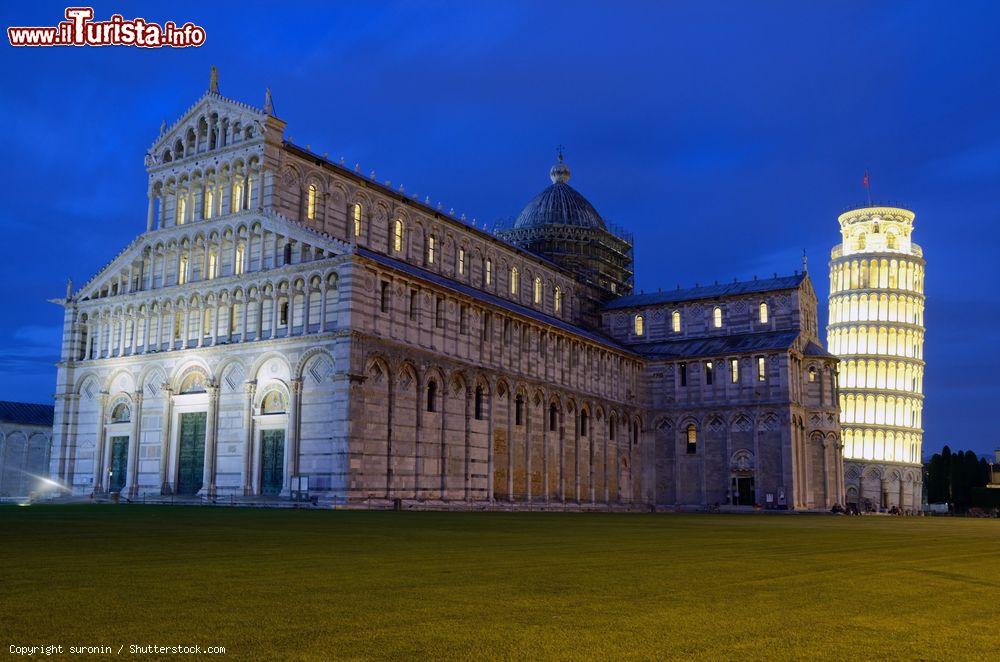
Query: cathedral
x,y
289,327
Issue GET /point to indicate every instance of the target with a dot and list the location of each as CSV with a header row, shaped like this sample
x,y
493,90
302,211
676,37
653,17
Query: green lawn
x,y
334,584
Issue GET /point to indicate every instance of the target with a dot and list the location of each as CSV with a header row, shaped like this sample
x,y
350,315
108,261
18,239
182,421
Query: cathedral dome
x,y
559,204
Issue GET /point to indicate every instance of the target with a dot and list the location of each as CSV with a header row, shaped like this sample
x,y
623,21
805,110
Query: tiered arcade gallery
x,y
876,326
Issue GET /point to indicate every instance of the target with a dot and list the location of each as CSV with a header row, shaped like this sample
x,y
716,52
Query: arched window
x,y
709,373
311,202
612,424
638,325
234,314
288,254
538,290
717,317
675,321
238,265
213,264
479,403
514,280
181,209
397,235
209,203
558,299
283,317
432,389
121,413
762,312
356,213
519,410
692,439
236,197
488,271
461,261
583,423
430,249
812,374
553,417
182,270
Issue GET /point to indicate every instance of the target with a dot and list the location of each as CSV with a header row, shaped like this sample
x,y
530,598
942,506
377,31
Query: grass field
x,y
305,584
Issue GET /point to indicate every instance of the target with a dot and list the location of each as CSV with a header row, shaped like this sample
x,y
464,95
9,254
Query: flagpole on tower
x,y
866,182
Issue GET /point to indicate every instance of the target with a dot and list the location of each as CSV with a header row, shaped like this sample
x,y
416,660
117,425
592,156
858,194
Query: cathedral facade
x,y
286,324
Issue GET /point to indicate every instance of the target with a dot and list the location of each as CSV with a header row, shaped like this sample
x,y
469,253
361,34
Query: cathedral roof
x,y
559,204
26,413
707,292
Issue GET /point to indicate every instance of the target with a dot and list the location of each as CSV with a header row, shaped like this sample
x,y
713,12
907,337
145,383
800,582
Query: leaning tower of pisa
x,y
876,327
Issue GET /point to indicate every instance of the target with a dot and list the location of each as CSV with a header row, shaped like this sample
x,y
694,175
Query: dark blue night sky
x,y
726,136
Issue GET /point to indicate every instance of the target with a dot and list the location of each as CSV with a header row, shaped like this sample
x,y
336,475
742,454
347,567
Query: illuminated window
x,y
709,373
734,370
209,203
638,325
357,219
538,290
692,439
812,374
240,256
489,271
177,326
249,193
461,261
761,369
206,322
397,236
763,312
862,240
236,199
311,202
514,280
181,209
430,250
213,264
558,298
182,270
717,317
675,321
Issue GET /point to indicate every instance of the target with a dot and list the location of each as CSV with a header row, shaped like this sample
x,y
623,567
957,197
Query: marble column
x,y
131,476
211,442
246,480
99,444
166,481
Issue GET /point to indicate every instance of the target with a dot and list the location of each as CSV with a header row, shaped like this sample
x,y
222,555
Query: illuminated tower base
x,y
876,327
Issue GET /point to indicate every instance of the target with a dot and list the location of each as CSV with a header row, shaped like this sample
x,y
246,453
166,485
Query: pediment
x,y
194,127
